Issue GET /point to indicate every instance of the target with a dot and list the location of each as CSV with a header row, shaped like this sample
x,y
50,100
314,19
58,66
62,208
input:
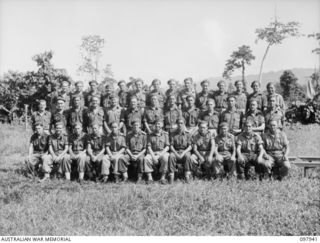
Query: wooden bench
x,y
307,162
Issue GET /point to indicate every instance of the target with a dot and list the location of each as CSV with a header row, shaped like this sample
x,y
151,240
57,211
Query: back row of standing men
x,y
188,118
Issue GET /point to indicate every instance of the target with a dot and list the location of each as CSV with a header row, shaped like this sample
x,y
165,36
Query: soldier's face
x,y
270,89
210,106
231,102
156,85
78,130
172,85
38,129
272,103
134,103
203,129
154,101
273,126
76,102
114,102
108,89
79,87
93,86
58,130
239,86
255,87
122,86
60,105
190,101
136,127
94,103
114,128
187,84
205,87
253,106
42,106
65,87
180,125
172,100
138,85
248,127
223,130
158,126
221,86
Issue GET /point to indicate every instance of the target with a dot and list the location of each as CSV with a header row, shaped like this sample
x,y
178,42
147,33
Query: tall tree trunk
x,y
262,61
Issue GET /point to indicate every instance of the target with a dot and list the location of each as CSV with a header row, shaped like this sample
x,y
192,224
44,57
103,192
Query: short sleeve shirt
x,y
276,115
78,143
249,142
191,117
201,100
158,142
181,140
171,116
129,115
116,142
75,116
113,115
151,115
182,98
221,99
259,97
225,144
212,119
233,118
275,142
58,143
97,143
241,100
39,142
136,142
94,116
44,119
257,118
203,142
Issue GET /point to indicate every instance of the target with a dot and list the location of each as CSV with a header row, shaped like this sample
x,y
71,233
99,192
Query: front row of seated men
x,y
96,156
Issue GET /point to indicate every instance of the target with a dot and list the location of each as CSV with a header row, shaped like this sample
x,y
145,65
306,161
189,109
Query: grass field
x,y
290,207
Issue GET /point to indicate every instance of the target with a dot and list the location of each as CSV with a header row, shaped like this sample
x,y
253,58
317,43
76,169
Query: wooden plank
x,y
306,164
310,158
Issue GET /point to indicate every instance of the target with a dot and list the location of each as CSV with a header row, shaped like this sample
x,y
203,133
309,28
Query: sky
x,y
154,39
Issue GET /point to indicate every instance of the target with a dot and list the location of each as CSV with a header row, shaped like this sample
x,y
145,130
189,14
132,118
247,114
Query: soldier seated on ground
x,y
276,146
135,151
78,150
249,151
99,165
157,157
224,163
58,154
115,148
203,148
38,149
180,147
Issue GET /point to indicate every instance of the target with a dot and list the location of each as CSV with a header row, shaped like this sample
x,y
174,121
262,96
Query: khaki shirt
x,y
180,140
158,142
171,117
136,142
74,94
276,115
78,143
123,99
203,142
113,115
211,118
115,142
160,95
221,100
89,95
249,142
201,100
58,143
191,117
75,116
39,142
44,119
106,100
182,97
141,97
233,118
94,116
241,100
279,101
259,97
275,142
59,117
152,114
97,143
257,118
129,115
225,144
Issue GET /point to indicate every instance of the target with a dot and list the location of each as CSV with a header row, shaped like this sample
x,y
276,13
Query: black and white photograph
x,y
159,118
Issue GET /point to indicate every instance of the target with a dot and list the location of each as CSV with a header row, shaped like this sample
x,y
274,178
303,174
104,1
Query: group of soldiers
x,y
103,136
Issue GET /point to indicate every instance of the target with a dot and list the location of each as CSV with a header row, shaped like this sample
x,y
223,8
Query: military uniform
x,y
259,97
274,115
77,94
58,144
93,116
225,146
54,99
171,117
201,100
182,97
168,93
212,119
113,115
241,100
233,118
157,142
135,143
59,117
180,140
129,115
204,145
42,118
78,144
101,166
279,101
89,95
249,150
141,97
257,118
274,145
40,147
151,115
115,144
75,116
191,118
220,100
106,100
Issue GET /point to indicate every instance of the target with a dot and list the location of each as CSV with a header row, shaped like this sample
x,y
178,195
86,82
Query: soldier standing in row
x,y
156,91
60,115
171,91
152,113
171,115
241,96
113,114
191,114
76,114
274,113
123,94
255,116
94,115
78,92
42,116
180,147
203,96
134,112
105,99
220,97
188,90
256,95
232,116
271,92
212,117
92,92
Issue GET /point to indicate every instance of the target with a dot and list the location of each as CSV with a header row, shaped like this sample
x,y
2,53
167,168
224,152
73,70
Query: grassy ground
x,y
290,207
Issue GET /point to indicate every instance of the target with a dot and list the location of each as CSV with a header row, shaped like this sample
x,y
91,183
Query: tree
x,y
274,34
316,36
91,52
238,59
291,90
